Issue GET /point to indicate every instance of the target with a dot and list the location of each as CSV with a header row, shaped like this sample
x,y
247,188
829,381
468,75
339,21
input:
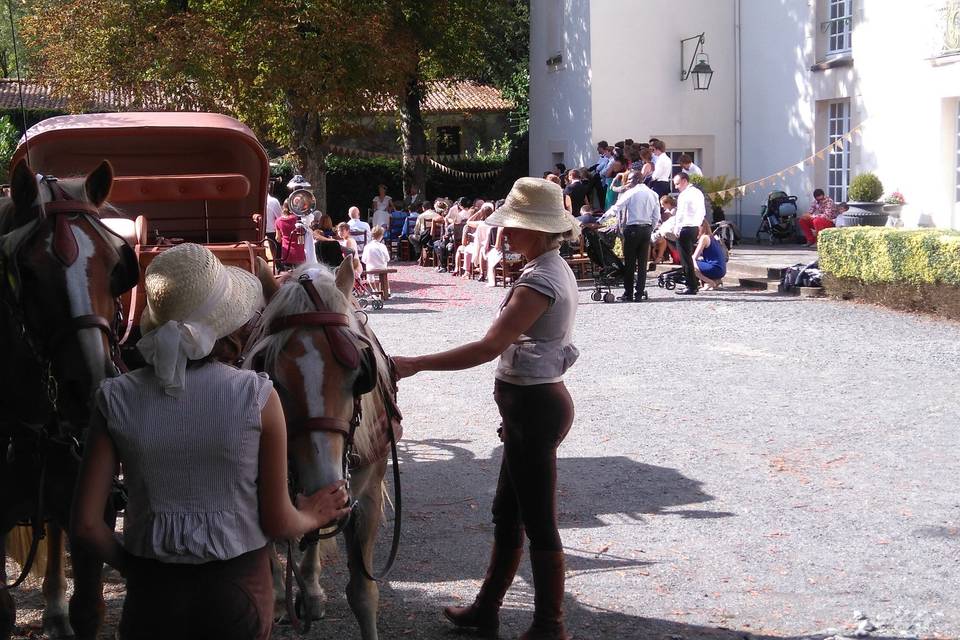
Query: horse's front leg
x,y
363,594
55,621
8,609
87,607
315,599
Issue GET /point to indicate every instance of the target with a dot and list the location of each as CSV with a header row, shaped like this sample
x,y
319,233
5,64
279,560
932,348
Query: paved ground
x,y
742,465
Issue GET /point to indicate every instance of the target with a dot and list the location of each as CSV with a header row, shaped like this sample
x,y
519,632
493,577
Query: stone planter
x,y
872,207
859,216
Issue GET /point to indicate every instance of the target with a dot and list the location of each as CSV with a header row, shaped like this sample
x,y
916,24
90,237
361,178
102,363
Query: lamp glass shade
x,y
702,75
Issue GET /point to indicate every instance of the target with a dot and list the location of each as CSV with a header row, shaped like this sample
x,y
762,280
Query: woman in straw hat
x,y
203,448
533,337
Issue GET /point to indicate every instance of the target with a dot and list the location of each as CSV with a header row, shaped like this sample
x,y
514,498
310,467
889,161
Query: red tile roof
x,y
442,97
449,96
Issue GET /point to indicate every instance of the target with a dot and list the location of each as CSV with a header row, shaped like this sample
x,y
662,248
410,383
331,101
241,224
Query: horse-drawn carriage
x,y
178,177
68,278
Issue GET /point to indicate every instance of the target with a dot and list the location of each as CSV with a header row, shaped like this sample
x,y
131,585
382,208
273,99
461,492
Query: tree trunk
x,y
414,138
311,152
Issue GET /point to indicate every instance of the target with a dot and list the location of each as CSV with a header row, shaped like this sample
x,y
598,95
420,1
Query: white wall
x,y
560,106
637,91
909,101
777,99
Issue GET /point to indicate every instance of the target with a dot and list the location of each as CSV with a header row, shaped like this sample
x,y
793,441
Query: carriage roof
x,y
197,176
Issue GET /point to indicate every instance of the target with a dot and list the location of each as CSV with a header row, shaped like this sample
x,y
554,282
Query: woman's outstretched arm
x,y
525,306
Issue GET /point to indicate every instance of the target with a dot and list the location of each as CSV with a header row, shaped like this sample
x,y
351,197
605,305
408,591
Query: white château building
x,y
789,78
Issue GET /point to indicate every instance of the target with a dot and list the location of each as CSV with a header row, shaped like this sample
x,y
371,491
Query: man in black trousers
x,y
638,212
691,210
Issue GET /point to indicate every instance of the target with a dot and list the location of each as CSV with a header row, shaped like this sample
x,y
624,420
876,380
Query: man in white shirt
x,y
358,225
691,211
637,212
662,169
272,211
686,163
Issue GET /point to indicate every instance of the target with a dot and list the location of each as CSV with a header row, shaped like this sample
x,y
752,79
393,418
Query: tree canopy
x,y
296,71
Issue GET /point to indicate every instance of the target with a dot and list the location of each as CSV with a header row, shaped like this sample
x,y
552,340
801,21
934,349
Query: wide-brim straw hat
x,y
188,283
535,204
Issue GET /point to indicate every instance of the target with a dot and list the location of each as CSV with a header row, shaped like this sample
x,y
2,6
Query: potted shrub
x,y
715,185
863,196
893,204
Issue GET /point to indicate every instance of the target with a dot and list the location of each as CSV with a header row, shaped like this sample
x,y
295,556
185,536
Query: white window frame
x,y
838,160
956,175
838,27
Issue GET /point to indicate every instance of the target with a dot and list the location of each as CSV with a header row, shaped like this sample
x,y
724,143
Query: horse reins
x,y
330,321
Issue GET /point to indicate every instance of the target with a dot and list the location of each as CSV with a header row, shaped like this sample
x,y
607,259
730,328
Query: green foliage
x,y
9,134
875,255
866,187
713,185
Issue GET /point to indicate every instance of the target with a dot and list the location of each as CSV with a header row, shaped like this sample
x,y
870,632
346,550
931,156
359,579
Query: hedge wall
x,y
876,255
916,270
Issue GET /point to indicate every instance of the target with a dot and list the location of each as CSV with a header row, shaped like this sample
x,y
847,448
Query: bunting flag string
x,y
811,160
465,175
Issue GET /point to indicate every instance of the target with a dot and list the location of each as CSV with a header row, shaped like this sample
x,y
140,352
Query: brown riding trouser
x,y
535,420
222,599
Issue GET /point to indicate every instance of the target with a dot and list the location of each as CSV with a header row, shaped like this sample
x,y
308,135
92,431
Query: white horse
x,y
306,364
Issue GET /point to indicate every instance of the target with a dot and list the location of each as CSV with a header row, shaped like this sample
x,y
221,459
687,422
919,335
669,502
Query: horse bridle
x,y
330,322
61,209
334,325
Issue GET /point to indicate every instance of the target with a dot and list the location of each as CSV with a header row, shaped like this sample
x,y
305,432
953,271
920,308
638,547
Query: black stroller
x,y
670,279
778,218
608,271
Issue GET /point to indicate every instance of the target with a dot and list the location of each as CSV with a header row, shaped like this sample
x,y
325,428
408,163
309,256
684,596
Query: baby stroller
x,y
778,218
365,295
608,268
670,279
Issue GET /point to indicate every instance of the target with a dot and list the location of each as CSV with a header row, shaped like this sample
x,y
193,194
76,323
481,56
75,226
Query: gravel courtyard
x,y
741,465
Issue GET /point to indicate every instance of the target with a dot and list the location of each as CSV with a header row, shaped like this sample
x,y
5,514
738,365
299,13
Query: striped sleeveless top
x,y
190,463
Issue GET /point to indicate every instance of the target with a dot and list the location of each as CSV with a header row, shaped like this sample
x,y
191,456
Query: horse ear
x,y
98,183
267,281
345,277
24,191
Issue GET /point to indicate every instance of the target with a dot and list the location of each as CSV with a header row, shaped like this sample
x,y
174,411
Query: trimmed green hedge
x,y
881,255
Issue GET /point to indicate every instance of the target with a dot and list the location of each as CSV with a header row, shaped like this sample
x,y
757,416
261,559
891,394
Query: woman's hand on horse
x,y
328,504
405,367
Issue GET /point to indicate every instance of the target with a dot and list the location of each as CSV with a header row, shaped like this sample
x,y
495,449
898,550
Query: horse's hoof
x,y
57,627
316,607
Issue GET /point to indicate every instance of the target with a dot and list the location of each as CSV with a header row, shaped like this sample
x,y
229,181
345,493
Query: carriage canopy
x,y
195,176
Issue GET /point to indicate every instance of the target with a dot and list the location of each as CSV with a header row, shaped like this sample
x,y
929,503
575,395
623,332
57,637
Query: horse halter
x,y
62,209
343,345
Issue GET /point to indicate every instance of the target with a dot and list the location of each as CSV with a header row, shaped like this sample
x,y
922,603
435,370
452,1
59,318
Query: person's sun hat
x,y
192,301
535,204
298,182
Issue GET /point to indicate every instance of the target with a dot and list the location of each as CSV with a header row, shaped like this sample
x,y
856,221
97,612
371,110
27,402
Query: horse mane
x,y
292,299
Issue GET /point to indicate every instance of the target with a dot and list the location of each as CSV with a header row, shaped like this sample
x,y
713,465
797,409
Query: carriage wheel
x,y
609,297
596,296
670,285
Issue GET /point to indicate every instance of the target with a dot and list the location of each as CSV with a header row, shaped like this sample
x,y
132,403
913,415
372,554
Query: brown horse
x,y
61,275
317,386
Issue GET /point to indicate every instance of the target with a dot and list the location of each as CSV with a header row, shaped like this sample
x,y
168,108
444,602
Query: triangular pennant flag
x,y
820,154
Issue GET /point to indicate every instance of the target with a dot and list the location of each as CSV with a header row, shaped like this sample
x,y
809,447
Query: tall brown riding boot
x,y
548,579
484,613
